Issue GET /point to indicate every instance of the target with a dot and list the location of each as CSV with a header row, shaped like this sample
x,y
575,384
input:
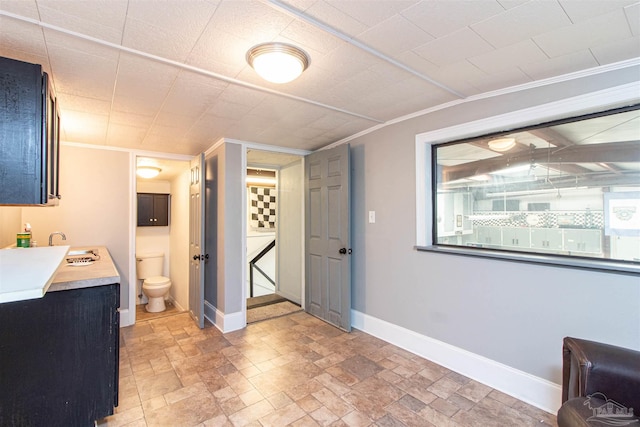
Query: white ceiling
x,y
171,75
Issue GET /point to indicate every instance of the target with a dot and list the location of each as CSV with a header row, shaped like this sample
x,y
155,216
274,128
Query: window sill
x,y
608,266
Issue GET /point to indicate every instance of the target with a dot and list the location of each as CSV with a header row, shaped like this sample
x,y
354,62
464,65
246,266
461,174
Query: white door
x,y
328,236
290,232
196,241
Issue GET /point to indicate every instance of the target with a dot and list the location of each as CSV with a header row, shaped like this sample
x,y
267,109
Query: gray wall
x,y
224,198
513,313
233,198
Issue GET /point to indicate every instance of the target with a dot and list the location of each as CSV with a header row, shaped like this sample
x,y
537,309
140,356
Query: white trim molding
x,y
536,391
224,322
125,318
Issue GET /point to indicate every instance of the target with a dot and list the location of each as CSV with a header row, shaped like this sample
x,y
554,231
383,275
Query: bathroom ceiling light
x,y
261,177
148,171
277,62
502,144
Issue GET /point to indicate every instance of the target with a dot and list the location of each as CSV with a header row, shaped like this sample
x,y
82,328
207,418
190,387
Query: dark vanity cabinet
x,y
59,358
29,136
153,209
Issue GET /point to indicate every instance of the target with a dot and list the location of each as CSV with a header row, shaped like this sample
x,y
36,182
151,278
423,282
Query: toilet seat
x,y
156,281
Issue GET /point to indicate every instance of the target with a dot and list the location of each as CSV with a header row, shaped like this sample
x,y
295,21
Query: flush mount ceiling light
x,y
277,62
261,176
502,144
148,171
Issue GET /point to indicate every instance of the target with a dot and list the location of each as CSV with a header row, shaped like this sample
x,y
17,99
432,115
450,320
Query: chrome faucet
x,y
53,234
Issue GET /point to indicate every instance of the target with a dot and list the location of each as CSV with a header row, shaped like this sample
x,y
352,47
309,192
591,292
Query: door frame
x,y
273,149
128,313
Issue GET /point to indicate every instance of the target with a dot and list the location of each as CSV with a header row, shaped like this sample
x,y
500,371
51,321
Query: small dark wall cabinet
x,y
29,136
59,358
153,209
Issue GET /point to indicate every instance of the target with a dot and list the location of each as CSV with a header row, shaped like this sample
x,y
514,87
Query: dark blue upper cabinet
x,y
29,136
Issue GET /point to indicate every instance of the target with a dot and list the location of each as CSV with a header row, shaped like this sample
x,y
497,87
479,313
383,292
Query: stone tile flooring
x,y
294,371
271,311
142,314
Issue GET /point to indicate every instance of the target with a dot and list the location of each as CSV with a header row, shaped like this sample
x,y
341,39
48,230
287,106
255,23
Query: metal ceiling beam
x,y
615,152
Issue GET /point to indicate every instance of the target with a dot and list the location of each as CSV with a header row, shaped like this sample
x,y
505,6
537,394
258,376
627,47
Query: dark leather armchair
x,y
600,385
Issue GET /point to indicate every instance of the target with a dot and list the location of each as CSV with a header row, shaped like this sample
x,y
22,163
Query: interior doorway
x,y
261,188
274,238
168,239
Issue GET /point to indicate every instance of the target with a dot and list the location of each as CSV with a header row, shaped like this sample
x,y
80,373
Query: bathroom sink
x,y
82,252
77,255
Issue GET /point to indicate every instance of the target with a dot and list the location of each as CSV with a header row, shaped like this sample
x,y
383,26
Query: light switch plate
x,y
372,217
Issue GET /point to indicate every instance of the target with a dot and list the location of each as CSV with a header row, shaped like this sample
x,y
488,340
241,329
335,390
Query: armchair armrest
x,y
589,367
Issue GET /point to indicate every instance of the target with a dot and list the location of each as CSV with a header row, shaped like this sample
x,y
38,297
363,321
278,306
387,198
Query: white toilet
x,y
155,285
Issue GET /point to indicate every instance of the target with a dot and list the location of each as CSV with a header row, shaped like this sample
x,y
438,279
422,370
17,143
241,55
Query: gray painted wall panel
x,y
513,313
234,193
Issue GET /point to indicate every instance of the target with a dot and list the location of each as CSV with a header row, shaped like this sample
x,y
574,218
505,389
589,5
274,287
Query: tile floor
x,y
142,314
271,311
294,371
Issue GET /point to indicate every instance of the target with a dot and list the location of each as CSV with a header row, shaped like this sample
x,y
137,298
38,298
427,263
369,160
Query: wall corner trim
x,y
536,391
224,322
125,318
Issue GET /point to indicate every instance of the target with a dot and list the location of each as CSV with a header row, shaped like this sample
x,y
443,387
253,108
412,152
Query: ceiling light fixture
x,y
502,144
277,62
148,171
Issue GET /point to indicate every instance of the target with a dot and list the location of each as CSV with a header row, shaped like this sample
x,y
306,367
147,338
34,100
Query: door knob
x,y
196,257
344,251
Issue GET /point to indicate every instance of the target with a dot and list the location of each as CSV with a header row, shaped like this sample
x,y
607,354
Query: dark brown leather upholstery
x,y
592,372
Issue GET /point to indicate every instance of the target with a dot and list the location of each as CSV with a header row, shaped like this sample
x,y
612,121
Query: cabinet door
x,y
489,235
145,209
583,241
59,358
517,237
20,132
546,238
52,147
161,209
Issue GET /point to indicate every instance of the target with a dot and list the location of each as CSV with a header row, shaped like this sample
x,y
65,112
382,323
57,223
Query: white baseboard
x,y
125,317
176,305
224,322
536,391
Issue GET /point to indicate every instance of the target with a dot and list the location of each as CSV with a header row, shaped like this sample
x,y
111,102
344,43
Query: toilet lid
x,y
156,281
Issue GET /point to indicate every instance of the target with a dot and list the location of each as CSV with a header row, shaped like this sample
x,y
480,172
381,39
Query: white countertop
x,y
27,273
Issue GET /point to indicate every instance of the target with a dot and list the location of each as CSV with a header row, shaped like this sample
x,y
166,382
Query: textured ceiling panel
x,y
521,23
172,75
102,19
454,47
602,29
440,18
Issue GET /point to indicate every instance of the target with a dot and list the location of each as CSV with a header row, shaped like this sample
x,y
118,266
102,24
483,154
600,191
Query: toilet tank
x,y
149,264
